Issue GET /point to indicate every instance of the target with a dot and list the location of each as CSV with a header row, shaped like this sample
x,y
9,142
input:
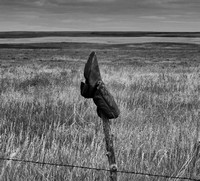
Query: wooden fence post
x,y
110,148
106,106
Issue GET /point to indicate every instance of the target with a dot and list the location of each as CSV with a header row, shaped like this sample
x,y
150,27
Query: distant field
x,y
99,37
30,34
44,118
102,40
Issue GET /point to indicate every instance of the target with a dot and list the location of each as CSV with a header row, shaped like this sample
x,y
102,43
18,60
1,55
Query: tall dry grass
x,y
44,118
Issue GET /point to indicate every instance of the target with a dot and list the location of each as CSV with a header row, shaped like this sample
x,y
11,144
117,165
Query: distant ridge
x,y
38,34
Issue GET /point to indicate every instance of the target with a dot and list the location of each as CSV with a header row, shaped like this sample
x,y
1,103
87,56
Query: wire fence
x,y
98,169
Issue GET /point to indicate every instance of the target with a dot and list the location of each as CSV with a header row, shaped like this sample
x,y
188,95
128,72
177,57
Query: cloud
x,y
153,17
175,4
40,2
102,19
99,1
78,2
180,21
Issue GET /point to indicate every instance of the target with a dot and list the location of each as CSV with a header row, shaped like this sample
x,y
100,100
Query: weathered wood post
x,y
106,107
110,149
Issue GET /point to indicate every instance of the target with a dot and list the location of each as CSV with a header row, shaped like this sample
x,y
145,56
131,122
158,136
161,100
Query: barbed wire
x,y
99,169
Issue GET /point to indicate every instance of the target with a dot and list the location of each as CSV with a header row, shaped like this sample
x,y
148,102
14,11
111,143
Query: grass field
x,y
44,118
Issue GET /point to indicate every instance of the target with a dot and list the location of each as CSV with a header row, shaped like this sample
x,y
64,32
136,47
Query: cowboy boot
x,y
92,76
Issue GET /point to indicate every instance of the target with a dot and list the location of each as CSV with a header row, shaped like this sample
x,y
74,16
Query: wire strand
x,y
99,169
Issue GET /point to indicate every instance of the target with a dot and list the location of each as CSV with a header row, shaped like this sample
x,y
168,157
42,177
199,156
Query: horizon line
x,y
89,31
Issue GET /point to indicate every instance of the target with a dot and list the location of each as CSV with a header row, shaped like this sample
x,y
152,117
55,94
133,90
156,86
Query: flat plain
x,y
44,118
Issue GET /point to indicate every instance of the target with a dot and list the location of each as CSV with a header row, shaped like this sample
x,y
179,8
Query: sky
x,y
100,15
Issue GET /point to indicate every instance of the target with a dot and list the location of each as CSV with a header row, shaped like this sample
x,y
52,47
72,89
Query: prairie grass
x,y
44,118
